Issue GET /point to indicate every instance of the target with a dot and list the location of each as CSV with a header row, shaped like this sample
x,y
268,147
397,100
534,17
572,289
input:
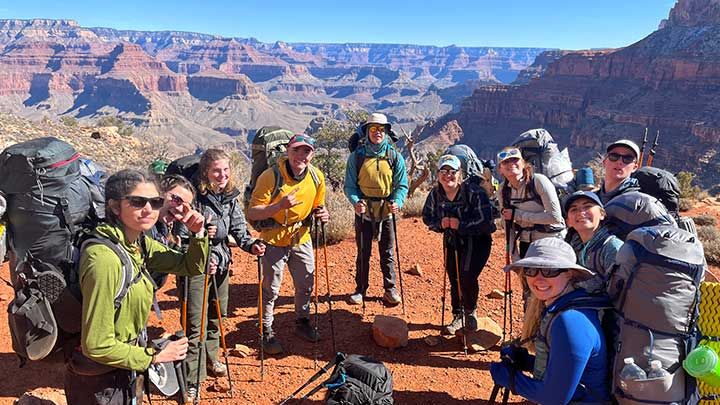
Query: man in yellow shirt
x,y
287,208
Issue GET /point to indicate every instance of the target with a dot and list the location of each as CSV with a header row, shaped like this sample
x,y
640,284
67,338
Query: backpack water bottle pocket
x,y
32,324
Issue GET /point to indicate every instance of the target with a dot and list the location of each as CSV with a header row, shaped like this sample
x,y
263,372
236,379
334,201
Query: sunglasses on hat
x,y
303,138
614,157
140,202
510,153
547,273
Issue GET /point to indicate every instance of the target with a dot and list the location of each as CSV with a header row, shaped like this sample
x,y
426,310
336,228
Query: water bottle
x,y
632,371
656,370
703,364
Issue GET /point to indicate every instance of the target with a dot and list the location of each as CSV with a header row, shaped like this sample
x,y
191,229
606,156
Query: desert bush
x,y
332,164
342,217
686,204
69,121
710,238
705,220
109,121
414,205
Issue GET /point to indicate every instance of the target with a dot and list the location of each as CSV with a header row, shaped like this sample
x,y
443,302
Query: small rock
x,y
415,270
496,294
42,396
95,135
390,332
219,386
488,335
241,351
432,341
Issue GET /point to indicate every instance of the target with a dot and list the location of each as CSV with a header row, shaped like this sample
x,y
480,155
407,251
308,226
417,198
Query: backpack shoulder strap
x,y
127,266
278,181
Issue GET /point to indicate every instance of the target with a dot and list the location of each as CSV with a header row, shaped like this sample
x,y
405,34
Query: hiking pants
x,y
112,388
364,231
301,263
195,306
473,253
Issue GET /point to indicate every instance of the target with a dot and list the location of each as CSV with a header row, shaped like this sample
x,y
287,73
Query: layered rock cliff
x,y
667,82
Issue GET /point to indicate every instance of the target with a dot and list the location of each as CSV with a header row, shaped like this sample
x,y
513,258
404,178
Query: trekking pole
x,y
642,148
361,235
201,344
651,155
324,369
222,333
184,304
260,317
460,295
315,275
327,283
399,266
445,260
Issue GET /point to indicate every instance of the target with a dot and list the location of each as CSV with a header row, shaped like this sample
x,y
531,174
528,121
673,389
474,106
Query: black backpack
x,y
360,380
186,166
660,184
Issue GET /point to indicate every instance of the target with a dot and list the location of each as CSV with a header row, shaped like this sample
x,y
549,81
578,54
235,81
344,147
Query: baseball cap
x,y
626,143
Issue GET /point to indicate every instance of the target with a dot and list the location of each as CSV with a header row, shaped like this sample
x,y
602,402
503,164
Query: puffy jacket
x,y
538,217
598,254
471,206
627,185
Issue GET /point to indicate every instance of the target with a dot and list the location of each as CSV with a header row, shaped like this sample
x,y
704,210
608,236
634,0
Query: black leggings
x,y
472,255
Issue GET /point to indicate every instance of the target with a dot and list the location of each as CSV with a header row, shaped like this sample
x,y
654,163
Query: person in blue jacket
x,y
376,184
461,210
570,364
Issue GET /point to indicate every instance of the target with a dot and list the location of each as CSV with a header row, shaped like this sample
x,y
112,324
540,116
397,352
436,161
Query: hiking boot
x,y
270,344
454,326
471,322
305,330
356,299
217,369
392,297
190,395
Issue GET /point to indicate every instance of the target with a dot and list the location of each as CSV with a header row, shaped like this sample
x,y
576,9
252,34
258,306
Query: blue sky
x,y
566,24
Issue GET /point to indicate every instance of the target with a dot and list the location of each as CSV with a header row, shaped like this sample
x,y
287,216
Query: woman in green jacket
x,y
111,353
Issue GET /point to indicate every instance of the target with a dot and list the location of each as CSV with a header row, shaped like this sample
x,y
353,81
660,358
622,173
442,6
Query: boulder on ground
x,y
390,332
241,351
488,335
415,270
496,294
42,396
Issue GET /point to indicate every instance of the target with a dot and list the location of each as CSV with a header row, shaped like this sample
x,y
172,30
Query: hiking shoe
x,y
305,330
392,297
270,344
471,322
454,326
217,369
356,299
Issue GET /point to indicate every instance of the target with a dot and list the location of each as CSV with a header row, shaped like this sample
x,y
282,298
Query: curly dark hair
x,y
119,186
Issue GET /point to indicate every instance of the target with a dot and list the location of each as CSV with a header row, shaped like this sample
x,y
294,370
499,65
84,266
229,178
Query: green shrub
x,y
686,204
342,217
69,121
710,238
705,220
109,121
414,205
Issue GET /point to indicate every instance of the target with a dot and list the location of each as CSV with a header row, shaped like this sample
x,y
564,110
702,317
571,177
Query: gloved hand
x,y
517,357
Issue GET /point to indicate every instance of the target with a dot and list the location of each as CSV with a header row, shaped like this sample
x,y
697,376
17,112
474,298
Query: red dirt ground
x,y
422,374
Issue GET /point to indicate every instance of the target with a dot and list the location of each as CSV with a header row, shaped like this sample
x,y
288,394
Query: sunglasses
x,y
303,138
614,157
547,273
447,172
376,128
140,202
176,199
510,153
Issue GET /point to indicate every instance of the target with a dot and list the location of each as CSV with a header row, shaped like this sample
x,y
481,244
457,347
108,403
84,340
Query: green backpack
x,y
268,145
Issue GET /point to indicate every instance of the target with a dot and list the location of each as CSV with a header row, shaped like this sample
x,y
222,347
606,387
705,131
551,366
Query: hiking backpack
x,y
186,166
474,168
360,380
268,145
664,186
540,150
655,289
629,211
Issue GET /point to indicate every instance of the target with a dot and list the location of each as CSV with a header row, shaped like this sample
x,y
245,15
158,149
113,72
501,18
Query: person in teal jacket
x,y
103,369
376,184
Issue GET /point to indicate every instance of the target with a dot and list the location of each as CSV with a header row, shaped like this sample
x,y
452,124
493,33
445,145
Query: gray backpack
x,y
540,149
632,210
655,289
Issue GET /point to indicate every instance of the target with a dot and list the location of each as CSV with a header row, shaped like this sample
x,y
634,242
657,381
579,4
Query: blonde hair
x,y
207,158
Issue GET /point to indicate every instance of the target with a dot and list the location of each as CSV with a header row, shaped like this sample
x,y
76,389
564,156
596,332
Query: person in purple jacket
x,y
563,322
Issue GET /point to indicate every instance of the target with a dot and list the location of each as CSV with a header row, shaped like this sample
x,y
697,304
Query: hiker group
x,y
607,273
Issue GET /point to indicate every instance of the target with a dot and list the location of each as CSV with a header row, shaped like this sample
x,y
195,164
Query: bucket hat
x,y
551,253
